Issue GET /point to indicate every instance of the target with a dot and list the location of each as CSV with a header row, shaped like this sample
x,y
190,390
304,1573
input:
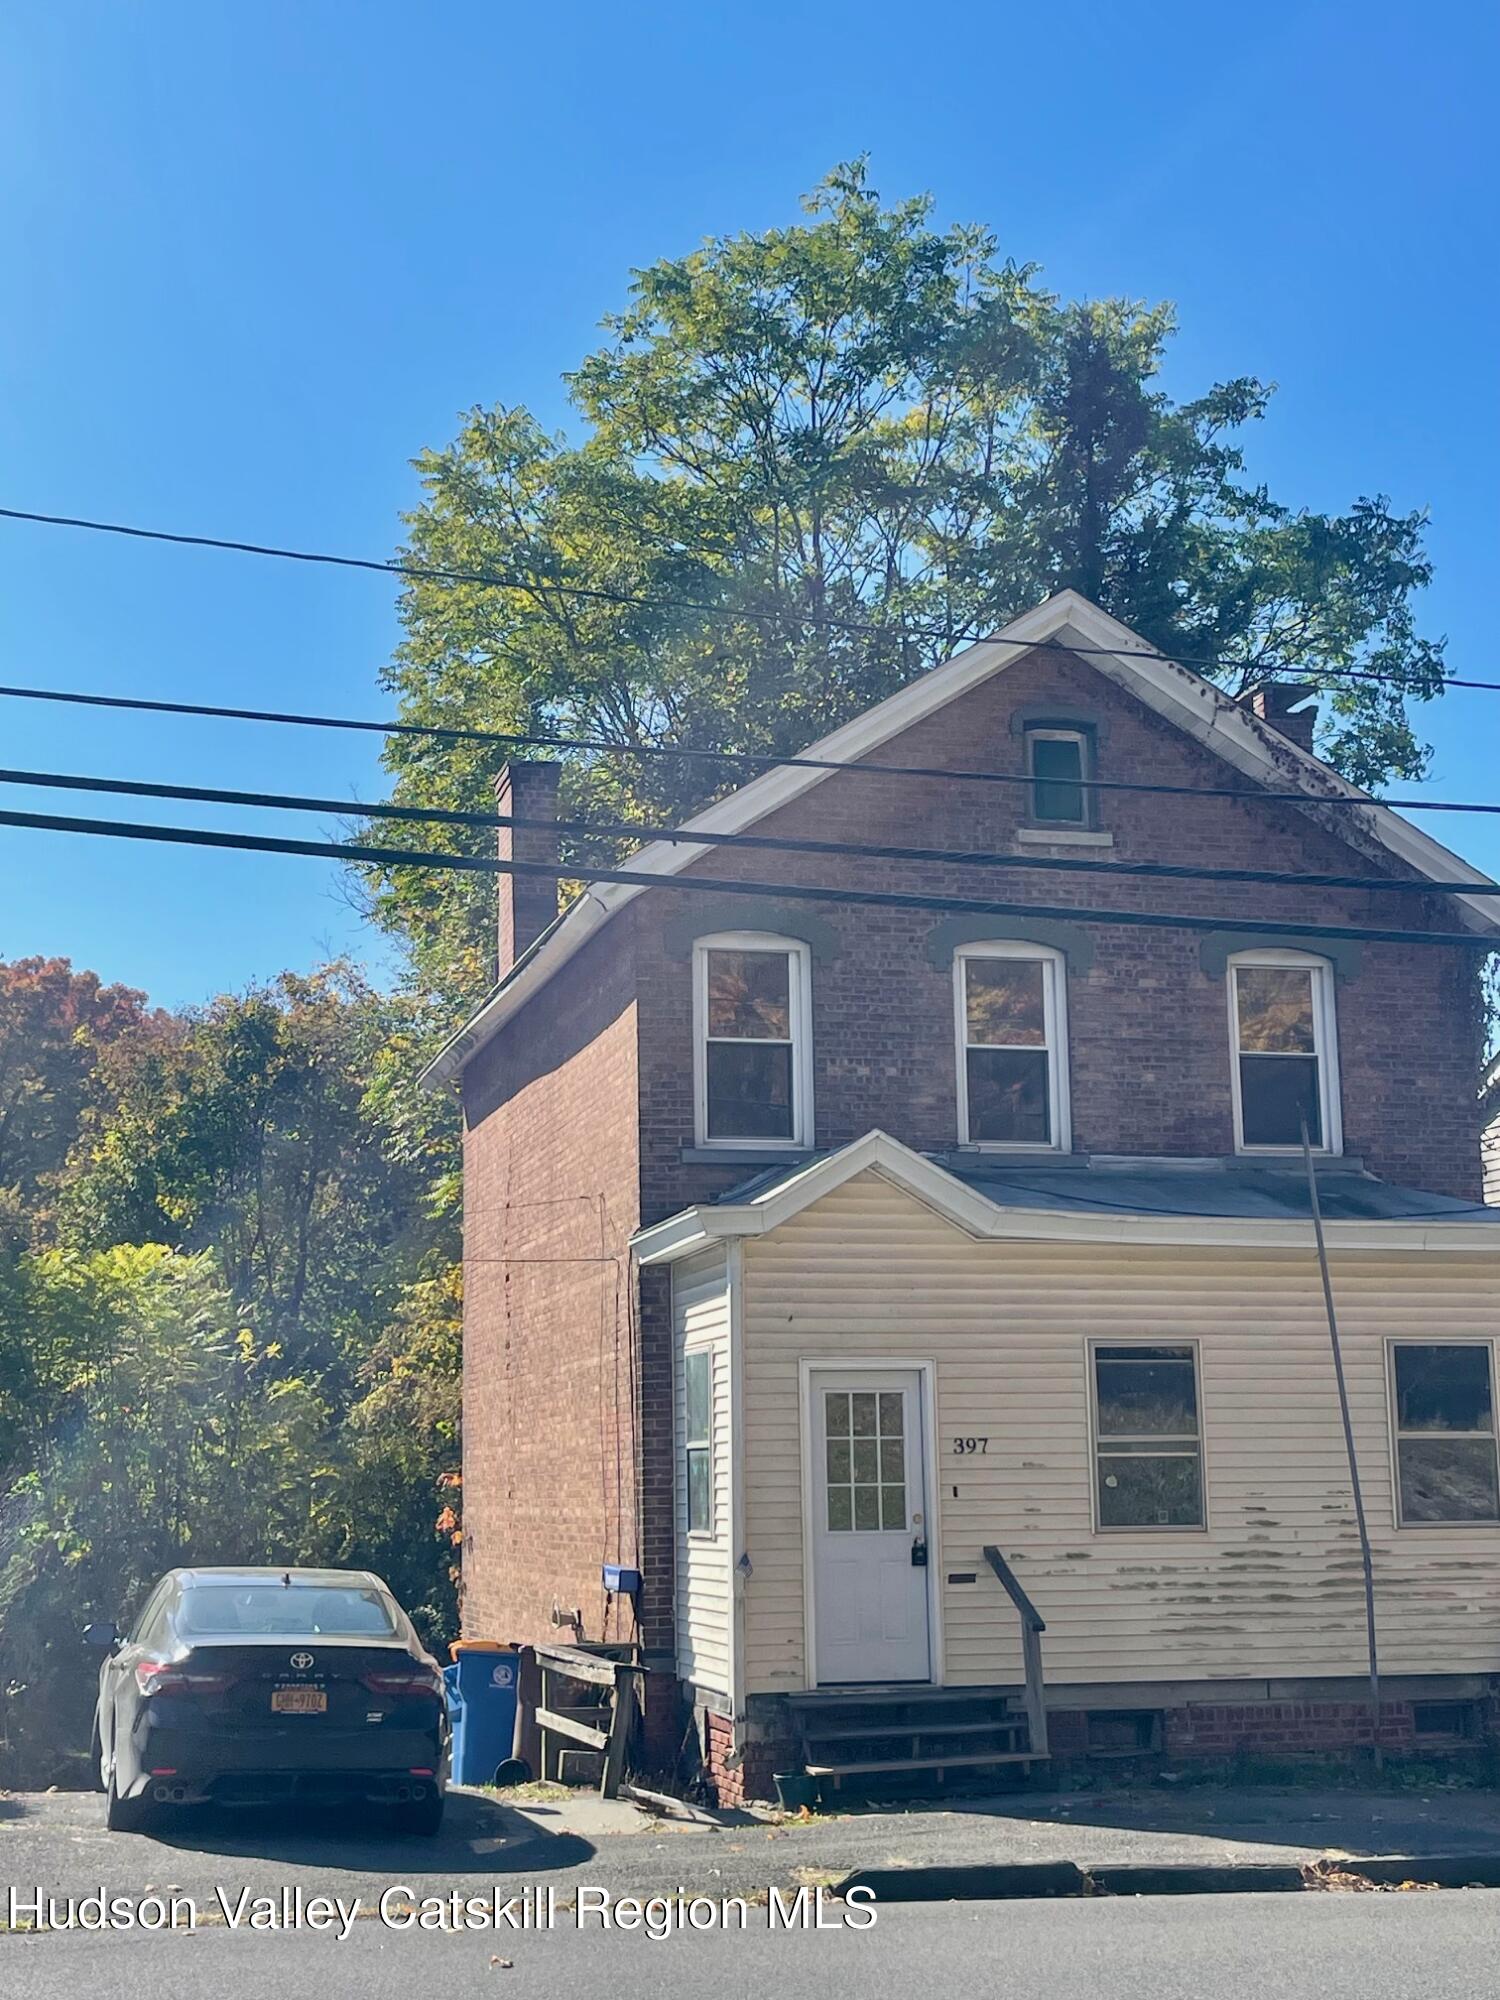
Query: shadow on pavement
x,y
1435,1820
478,1837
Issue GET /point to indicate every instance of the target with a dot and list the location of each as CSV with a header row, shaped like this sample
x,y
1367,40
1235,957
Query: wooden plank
x,y
578,1732
618,1741
1013,1725
577,1666
940,1763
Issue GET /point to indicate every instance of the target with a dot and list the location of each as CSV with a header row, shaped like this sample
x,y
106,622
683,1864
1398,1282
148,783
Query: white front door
x,y
869,1499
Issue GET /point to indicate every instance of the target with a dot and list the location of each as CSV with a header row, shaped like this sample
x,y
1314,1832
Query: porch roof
x,y
1110,1200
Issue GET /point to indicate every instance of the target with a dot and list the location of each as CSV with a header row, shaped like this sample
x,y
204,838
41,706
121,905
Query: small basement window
x,y
697,1439
1123,1732
1444,1718
753,1057
1057,762
1148,1450
1443,1400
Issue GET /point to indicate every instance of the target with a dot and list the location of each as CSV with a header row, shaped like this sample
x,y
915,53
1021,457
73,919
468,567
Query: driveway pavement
x,y
57,1841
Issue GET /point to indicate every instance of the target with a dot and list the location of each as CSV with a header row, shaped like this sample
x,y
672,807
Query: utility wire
x,y
775,843
761,759
493,579
890,899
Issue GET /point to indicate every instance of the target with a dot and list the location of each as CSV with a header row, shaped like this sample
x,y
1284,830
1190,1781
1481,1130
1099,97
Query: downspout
x,y
739,1555
1359,1503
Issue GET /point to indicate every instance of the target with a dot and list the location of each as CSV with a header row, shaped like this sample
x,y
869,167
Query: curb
x,y
1044,1880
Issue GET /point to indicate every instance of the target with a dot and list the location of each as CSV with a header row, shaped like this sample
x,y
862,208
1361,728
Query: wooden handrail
x,y
1013,1589
1032,1628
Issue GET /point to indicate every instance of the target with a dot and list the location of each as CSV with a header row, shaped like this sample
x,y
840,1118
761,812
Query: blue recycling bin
x,y
481,1687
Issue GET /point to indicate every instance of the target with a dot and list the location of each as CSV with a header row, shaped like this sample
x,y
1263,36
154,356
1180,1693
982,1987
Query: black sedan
x,y
249,1686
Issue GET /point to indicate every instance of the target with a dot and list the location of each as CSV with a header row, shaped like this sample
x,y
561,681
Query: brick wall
x,y
1148,1026
578,1113
550,1374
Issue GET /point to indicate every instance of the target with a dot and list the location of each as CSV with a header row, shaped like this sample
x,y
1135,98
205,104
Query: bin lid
x,y
458,1646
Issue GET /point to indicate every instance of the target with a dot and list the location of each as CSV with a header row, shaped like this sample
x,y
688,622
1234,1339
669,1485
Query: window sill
x,y
1063,836
745,1156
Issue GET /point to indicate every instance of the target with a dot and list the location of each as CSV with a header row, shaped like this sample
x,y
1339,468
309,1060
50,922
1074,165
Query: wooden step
x,y
914,1691
1010,1725
938,1763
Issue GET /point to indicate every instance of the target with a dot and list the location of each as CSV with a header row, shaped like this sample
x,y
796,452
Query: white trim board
x,y
974,1213
1253,748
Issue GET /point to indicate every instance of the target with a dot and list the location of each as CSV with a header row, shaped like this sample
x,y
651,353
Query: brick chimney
x,y
1274,702
528,903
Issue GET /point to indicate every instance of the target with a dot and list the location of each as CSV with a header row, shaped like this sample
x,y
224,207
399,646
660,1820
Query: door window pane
x,y
865,1458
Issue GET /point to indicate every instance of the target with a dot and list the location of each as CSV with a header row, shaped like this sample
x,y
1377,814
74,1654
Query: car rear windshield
x,y
286,1611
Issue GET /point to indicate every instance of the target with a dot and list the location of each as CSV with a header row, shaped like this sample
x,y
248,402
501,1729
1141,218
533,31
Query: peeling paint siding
x,y
1272,1587
700,1317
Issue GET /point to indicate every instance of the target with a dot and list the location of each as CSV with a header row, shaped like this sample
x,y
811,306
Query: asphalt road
x,y
1419,1946
58,1841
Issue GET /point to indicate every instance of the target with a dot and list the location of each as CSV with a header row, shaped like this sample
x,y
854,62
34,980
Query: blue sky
x,y
254,258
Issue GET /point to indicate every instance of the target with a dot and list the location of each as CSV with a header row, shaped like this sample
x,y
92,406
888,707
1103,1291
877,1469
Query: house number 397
x,y
964,1446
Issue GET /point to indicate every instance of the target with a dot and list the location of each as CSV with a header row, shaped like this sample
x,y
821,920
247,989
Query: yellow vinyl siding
x,y
700,1318
1271,1587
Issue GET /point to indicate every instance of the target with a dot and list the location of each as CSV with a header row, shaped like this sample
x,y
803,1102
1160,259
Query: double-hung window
x,y
1012,1046
753,1056
697,1438
1148,1442
1281,1023
1057,762
1443,1402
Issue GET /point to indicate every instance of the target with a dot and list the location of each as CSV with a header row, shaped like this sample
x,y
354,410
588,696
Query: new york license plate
x,y
299,1701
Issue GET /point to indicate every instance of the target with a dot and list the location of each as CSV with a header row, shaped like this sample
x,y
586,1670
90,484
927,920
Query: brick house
x,y
882,1282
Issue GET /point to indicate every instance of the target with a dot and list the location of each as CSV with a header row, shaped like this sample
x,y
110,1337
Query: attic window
x,y
1057,762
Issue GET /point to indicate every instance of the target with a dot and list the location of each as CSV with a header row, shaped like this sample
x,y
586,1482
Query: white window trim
x,y
1098,1444
690,1444
1325,1043
1055,1021
1396,1433
1043,733
799,988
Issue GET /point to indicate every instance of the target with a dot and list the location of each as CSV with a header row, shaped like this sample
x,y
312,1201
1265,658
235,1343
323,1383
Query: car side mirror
x,y
105,1635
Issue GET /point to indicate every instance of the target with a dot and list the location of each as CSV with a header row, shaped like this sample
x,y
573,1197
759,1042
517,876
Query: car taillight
x,y
404,1686
166,1677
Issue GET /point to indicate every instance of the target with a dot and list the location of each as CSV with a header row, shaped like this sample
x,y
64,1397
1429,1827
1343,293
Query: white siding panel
x,y
1272,1587
700,1318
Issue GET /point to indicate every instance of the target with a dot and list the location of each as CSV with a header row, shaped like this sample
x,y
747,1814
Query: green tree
x,y
56,1027
271,1133
854,442
151,1418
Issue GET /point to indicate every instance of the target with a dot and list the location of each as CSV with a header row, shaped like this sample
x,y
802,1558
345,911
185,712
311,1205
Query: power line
x,y
495,580
761,759
775,843
890,899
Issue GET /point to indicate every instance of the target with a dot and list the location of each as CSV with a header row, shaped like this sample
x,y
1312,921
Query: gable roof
x,y
1204,712
1194,1207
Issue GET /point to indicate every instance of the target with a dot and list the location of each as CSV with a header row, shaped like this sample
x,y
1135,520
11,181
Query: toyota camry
x,y
249,1686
